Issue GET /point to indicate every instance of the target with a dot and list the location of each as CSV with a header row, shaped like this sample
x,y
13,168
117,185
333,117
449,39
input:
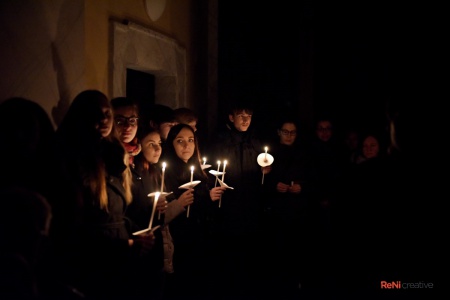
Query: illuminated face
x,y
184,144
371,147
241,120
324,130
126,123
151,147
287,134
105,124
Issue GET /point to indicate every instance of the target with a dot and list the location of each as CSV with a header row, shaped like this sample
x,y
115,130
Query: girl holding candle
x,y
146,179
191,235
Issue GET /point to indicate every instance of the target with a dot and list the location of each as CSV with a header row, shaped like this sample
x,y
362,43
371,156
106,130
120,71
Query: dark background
x,y
364,57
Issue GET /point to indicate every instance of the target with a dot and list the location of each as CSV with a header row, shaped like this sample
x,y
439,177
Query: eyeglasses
x,y
122,121
288,132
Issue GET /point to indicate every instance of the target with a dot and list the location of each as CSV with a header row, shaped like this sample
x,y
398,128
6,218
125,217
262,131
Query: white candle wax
x,y
224,166
162,176
155,201
218,169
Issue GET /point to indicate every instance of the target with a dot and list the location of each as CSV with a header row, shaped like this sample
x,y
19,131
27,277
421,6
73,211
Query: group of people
x,y
118,203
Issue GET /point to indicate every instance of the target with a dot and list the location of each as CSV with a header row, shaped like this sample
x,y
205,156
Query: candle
x,y
204,160
265,154
218,168
162,176
224,166
192,178
162,183
155,201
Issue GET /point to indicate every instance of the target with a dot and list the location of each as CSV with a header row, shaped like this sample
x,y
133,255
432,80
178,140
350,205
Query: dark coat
x,y
242,206
146,270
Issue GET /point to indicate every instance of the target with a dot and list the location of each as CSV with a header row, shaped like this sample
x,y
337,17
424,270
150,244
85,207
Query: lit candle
x,y
162,183
218,168
155,201
204,160
192,173
224,166
223,177
265,154
162,176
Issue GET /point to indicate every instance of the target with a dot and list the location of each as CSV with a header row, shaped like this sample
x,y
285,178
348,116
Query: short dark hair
x,y
160,113
238,107
119,102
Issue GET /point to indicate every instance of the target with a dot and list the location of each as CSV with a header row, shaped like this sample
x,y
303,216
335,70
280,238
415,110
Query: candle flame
x,y
164,165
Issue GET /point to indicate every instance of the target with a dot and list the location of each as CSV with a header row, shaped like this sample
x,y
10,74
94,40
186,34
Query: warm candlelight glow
x,y
192,173
265,148
204,160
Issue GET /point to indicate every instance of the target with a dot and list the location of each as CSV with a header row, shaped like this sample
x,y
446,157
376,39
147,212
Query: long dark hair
x,y
172,156
82,143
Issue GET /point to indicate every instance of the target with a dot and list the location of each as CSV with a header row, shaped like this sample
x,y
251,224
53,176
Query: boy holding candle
x,y
241,207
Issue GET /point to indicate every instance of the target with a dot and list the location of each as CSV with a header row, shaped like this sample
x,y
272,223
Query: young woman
x,y
97,244
192,233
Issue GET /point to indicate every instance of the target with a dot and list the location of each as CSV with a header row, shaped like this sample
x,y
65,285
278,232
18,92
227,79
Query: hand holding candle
x,y
264,160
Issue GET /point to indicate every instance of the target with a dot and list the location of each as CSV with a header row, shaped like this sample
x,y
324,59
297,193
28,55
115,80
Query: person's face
x,y
287,134
126,123
241,120
105,124
184,144
151,147
164,129
371,147
324,130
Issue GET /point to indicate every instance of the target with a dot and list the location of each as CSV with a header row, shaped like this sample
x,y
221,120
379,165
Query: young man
x,y
241,207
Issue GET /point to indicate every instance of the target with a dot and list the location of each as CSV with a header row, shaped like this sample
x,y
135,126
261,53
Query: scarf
x,y
133,148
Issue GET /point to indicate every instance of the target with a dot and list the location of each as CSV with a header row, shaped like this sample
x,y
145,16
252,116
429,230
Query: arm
x,y
177,206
